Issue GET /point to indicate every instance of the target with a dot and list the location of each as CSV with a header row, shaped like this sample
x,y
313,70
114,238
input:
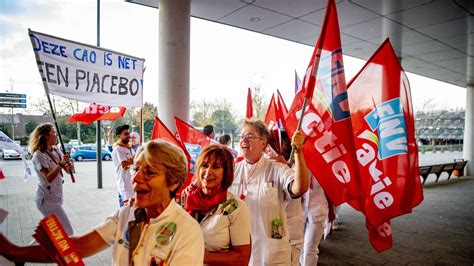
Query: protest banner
x,y
88,73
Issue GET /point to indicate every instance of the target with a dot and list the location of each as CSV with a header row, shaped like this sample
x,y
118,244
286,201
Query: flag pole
x,y
57,129
314,71
98,133
141,126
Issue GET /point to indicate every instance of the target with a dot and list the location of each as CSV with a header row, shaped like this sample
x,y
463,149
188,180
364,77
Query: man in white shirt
x,y
122,156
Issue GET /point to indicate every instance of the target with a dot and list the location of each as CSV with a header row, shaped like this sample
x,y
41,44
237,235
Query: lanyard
x,y
246,179
50,155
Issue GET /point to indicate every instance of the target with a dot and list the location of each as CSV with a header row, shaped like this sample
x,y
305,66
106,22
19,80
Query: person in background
x,y
122,156
227,141
224,218
265,185
208,130
153,231
49,163
315,209
135,137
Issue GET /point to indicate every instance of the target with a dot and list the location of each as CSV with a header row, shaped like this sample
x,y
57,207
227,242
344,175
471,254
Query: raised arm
x,y
301,183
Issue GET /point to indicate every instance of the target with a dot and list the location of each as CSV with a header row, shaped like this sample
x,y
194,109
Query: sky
x,y
225,61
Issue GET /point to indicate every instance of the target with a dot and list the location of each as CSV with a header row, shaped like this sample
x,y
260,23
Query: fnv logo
x,y
388,119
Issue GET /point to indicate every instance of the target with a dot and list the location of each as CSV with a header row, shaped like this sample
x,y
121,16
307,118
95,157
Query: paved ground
x,y
439,231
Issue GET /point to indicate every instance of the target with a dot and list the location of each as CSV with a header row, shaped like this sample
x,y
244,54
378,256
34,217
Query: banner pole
x,y
98,134
141,126
298,128
57,130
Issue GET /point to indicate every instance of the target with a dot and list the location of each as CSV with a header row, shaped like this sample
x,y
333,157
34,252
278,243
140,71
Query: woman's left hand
x,y
297,141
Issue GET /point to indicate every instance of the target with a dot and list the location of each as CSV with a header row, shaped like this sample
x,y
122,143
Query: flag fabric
x,y
95,112
327,122
87,73
160,131
297,82
2,176
384,132
193,139
249,113
7,143
272,121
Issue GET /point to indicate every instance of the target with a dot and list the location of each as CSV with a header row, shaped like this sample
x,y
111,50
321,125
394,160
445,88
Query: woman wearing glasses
x,y
154,231
224,218
265,185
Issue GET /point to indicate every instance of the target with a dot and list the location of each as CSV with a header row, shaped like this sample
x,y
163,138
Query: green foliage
x,y
217,113
30,126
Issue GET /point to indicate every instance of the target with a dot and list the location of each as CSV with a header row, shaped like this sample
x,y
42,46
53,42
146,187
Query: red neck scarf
x,y
197,201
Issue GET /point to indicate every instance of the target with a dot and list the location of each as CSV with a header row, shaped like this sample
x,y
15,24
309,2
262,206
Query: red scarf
x,y
197,201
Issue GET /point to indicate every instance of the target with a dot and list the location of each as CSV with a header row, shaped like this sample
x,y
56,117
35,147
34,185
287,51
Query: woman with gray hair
x,y
265,186
154,231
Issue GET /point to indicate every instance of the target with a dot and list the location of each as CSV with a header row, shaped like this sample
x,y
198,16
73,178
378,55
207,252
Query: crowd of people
x,y
245,208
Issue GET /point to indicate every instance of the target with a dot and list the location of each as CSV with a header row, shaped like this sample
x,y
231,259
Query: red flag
x,y
188,134
282,111
95,112
272,120
326,122
160,131
2,176
384,132
249,113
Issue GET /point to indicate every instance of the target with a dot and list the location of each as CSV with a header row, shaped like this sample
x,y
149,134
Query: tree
x,y
30,126
259,104
217,113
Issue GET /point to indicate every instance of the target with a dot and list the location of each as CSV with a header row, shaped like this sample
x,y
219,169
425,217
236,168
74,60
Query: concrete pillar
x,y
468,146
174,53
390,27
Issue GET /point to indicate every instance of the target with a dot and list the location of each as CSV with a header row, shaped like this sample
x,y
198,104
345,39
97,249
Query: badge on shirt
x,y
165,233
230,206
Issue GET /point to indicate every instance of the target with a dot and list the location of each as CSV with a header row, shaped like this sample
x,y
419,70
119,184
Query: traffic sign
x,y
12,95
12,100
13,105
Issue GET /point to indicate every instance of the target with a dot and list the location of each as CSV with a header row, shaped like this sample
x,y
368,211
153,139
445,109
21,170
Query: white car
x,y
11,154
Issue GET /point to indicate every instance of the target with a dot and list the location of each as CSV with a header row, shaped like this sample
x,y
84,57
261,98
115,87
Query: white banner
x,y
88,73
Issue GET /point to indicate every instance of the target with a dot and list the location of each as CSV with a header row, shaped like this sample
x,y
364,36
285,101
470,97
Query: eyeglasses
x,y
249,137
148,173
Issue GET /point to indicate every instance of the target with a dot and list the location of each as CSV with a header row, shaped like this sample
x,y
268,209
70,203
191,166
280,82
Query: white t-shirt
x,y
228,226
48,192
315,204
186,247
266,183
124,177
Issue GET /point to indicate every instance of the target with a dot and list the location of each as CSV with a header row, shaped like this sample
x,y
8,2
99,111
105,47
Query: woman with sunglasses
x,y
224,218
265,185
154,231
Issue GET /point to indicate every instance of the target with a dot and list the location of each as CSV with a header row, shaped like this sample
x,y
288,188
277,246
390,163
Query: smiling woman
x,y
224,218
154,231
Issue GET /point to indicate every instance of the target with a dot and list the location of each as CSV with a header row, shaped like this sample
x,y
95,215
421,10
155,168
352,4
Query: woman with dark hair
x,y
48,163
154,231
224,218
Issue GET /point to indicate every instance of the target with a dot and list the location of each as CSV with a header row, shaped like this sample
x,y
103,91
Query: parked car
x,y
9,154
81,153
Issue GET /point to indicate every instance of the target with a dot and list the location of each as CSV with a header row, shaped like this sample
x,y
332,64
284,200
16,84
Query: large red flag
x,y
249,113
95,112
326,122
384,132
